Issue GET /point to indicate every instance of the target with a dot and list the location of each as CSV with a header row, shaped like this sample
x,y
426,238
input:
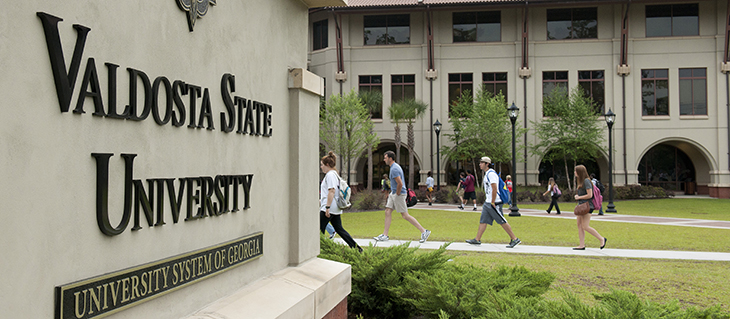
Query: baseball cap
x,y
486,160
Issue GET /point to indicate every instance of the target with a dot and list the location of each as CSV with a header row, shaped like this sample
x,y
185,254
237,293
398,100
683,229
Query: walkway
x,y
552,250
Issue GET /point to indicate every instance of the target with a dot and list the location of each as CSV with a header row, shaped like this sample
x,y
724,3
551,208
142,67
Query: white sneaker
x,y
333,235
424,236
382,237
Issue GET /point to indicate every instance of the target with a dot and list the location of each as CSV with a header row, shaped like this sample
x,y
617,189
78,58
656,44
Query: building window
x,y
655,92
693,91
402,87
593,86
372,83
495,83
477,26
458,83
576,23
319,35
553,81
672,20
387,29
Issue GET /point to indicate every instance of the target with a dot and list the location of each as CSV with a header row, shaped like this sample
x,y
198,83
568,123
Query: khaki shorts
x,y
397,203
460,192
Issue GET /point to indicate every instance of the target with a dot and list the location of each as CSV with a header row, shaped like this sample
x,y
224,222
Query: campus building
x,y
157,161
660,66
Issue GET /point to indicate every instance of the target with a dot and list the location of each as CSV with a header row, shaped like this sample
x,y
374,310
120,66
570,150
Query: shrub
x,y
446,195
368,200
639,192
376,271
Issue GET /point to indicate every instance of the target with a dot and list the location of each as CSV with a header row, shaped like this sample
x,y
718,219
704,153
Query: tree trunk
x,y
411,141
397,143
567,175
370,168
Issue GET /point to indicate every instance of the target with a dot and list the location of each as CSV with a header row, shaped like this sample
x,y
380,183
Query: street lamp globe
x,y
513,112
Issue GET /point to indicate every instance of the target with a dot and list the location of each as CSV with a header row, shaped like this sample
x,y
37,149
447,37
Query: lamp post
x,y
513,111
610,118
437,129
456,134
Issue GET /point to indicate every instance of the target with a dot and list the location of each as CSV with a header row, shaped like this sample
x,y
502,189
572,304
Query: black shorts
x,y
470,195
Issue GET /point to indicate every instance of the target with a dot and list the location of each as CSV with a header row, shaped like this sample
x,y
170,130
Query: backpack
x,y
600,185
557,191
502,190
411,198
345,193
597,198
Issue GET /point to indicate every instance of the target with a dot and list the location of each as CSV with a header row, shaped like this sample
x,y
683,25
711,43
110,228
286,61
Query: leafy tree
x,y
570,130
412,110
485,128
373,101
342,116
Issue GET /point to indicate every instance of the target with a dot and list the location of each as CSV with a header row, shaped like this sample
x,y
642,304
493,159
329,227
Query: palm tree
x,y
412,110
397,113
373,101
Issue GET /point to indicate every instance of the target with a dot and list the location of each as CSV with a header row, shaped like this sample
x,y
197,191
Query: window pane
x,y
599,99
489,32
454,77
685,26
699,72
685,97
364,79
686,10
647,74
454,92
585,23
558,30
558,15
685,73
464,18
374,36
584,75
409,91
377,79
647,97
662,73
548,76
658,11
489,17
501,76
397,93
597,74
399,35
409,78
465,32
396,78
562,75
659,27
375,21
399,20
662,97
487,76
586,87
501,87
700,97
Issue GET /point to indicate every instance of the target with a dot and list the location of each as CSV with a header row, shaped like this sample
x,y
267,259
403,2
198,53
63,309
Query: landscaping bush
x,y
639,192
398,282
445,195
368,200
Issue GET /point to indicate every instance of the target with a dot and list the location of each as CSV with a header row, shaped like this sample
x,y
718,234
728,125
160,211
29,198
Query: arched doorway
x,y
379,167
453,168
669,167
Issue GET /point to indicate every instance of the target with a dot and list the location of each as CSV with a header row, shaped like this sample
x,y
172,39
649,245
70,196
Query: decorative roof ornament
x,y
195,9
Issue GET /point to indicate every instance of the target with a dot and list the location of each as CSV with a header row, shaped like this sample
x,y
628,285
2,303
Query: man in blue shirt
x,y
397,200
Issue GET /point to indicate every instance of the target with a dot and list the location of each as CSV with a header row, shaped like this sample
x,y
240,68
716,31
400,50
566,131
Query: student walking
x,y
470,189
460,190
397,200
492,208
429,187
328,194
585,194
554,195
600,187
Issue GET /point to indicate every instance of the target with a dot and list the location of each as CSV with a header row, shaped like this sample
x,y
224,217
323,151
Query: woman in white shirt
x,y
553,190
328,210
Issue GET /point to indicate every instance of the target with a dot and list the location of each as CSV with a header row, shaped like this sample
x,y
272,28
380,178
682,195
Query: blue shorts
x,y
490,214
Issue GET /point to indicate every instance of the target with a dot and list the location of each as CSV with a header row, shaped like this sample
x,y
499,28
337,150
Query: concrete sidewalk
x,y
551,250
621,218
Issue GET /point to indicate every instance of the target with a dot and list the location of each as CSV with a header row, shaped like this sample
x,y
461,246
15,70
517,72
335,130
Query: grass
x,y
696,208
692,283
461,225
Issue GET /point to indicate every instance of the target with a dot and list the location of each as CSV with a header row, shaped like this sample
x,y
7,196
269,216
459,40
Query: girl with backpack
x,y
554,195
328,210
585,194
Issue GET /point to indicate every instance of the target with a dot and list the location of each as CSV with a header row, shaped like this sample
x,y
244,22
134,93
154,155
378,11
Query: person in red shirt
x,y
469,192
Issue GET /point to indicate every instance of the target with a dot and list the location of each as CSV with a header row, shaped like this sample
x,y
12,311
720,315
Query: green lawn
x,y
692,283
461,225
697,208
